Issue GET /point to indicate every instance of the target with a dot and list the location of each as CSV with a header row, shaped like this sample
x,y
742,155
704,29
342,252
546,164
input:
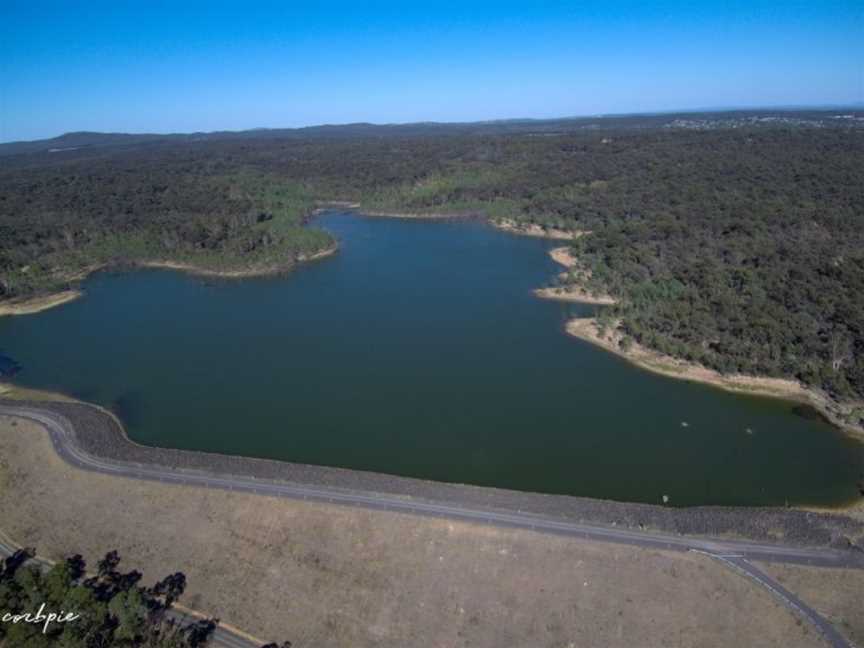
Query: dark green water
x,y
419,350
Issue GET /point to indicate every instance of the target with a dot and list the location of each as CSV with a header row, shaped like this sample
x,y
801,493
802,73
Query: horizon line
x,y
857,105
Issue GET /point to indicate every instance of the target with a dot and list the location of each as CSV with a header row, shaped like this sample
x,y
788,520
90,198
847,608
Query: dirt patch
x,y
532,229
327,575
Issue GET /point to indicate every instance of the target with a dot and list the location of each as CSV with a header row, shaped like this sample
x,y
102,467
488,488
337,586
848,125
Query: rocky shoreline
x,y
101,435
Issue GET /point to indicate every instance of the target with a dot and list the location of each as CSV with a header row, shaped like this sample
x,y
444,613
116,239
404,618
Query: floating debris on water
x,y
665,499
685,424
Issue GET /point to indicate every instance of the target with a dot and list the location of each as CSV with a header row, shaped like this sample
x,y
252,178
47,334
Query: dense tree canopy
x,y
108,609
740,248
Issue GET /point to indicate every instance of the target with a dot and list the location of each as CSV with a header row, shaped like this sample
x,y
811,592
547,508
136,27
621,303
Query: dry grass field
x,y
837,594
322,575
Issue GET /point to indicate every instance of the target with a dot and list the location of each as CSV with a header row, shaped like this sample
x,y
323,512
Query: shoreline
x,y
659,363
324,475
38,304
571,292
417,215
584,329
537,231
11,391
574,294
834,412
563,256
235,274
99,434
44,302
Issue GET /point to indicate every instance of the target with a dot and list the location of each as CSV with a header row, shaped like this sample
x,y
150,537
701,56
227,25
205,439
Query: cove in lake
x,y
419,350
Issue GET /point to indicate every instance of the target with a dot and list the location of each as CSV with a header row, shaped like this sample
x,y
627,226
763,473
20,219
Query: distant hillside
x,y
87,141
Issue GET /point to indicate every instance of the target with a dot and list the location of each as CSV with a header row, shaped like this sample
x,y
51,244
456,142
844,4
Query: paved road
x,y
734,553
784,596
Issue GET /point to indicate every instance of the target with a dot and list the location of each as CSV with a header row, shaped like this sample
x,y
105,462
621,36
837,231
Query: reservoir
x,y
419,350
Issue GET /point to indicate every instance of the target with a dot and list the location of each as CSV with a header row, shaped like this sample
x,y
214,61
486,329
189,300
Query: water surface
x,y
419,350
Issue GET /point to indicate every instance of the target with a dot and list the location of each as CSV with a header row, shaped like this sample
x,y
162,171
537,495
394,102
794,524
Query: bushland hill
x,y
734,240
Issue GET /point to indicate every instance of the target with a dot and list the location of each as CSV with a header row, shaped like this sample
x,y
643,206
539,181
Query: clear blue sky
x,y
156,67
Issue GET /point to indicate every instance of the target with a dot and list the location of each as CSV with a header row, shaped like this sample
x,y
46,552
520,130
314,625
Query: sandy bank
x,y
532,229
41,303
841,414
257,271
11,391
38,304
574,293
570,291
430,215
334,204
587,329
204,272
787,389
564,256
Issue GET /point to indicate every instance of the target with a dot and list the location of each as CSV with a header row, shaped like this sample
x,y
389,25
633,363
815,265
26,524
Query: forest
x,y
741,247
108,608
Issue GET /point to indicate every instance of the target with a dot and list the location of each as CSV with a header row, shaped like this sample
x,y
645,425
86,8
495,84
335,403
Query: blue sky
x,y
181,67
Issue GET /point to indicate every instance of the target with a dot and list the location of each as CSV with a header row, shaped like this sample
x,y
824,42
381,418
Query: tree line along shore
x,y
608,333
737,250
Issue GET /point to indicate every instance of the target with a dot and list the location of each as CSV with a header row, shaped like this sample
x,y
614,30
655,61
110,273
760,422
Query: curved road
x,y
734,553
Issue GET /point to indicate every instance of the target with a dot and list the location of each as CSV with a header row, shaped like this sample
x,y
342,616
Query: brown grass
x,y
837,594
324,575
